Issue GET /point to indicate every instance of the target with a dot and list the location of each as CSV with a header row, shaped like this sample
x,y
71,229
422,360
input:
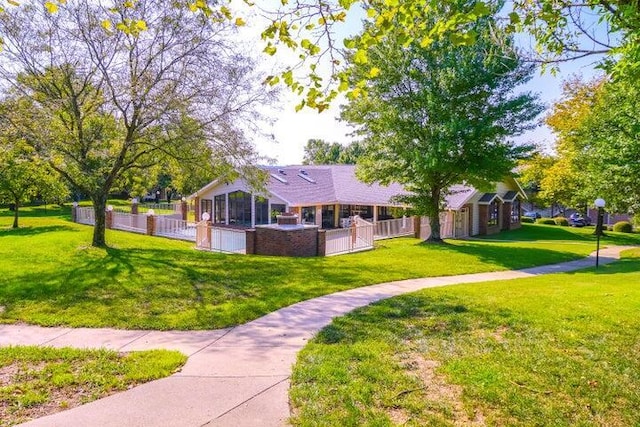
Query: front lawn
x,y
49,275
556,350
35,382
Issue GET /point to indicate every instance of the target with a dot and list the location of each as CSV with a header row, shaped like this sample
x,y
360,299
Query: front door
x,y
462,223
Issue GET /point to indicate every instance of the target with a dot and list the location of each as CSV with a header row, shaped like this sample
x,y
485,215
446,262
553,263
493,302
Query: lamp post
x,y
600,203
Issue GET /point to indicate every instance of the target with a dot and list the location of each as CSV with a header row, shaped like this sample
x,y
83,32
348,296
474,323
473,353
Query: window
x,y
240,208
328,215
309,214
219,209
205,206
277,209
515,211
262,210
493,214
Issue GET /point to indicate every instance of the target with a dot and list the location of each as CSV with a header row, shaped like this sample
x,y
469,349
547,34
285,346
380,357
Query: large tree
x,y
597,130
114,87
320,152
441,115
23,175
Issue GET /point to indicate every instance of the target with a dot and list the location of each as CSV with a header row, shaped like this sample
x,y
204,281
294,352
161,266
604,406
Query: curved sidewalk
x,y
236,376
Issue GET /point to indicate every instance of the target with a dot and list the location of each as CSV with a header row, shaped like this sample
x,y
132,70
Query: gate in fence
x,y
220,239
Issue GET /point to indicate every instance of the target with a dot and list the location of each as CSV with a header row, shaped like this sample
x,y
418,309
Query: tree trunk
x,y
15,212
99,209
433,210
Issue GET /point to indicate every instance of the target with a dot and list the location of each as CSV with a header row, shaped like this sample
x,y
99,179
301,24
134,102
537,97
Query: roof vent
x,y
279,178
281,172
303,172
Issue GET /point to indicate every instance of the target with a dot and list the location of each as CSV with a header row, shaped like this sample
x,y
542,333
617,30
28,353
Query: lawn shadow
x,y
34,230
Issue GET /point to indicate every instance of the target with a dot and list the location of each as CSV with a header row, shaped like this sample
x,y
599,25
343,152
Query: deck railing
x,y
351,239
175,228
393,228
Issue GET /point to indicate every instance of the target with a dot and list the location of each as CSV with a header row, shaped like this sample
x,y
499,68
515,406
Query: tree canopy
x,y
439,115
319,152
104,102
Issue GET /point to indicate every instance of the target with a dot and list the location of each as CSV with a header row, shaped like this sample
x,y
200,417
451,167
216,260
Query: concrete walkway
x,y
237,376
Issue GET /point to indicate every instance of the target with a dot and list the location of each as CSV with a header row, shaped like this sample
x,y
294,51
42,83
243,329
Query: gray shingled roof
x,y
488,198
458,196
332,184
510,196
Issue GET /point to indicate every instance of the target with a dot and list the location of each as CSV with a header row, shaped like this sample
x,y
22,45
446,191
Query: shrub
x,y
526,220
560,220
546,221
623,227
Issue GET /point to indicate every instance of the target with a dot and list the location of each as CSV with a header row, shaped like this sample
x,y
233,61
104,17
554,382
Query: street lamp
x,y
600,203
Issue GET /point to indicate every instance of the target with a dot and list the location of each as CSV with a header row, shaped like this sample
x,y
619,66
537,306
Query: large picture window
x,y
494,214
262,210
328,216
277,209
309,214
219,209
240,208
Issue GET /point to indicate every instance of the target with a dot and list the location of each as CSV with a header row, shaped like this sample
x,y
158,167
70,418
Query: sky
x,y
291,130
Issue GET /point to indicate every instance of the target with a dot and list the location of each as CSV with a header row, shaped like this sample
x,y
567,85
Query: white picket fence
x,y
220,239
393,228
174,228
165,225
85,216
351,239
129,222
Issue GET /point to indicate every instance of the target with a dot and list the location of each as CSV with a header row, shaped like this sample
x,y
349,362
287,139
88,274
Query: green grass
x,y
49,275
556,350
37,381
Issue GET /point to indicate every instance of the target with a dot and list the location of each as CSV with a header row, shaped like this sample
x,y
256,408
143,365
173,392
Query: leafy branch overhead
x,y
563,30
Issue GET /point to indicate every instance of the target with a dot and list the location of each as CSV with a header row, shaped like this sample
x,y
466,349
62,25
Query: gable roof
x,y
488,198
327,184
308,185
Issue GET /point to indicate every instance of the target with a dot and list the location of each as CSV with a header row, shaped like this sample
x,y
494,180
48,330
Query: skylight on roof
x,y
306,177
279,178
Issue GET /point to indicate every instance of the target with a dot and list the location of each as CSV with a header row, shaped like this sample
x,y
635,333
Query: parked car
x,y
534,215
577,220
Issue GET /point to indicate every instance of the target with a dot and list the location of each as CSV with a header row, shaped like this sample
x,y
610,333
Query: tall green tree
x,y
23,175
441,115
531,173
320,152
114,89
598,133
567,181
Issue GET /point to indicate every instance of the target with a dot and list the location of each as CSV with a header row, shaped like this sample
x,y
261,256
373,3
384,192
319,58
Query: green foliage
x,y
545,350
546,221
559,220
111,97
527,220
441,114
38,377
623,227
319,152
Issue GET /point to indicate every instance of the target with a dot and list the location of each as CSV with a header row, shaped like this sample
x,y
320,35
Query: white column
x,y
226,208
269,211
375,214
253,211
319,216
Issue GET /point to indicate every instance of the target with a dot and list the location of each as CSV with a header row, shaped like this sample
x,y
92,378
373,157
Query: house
x,y
330,195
